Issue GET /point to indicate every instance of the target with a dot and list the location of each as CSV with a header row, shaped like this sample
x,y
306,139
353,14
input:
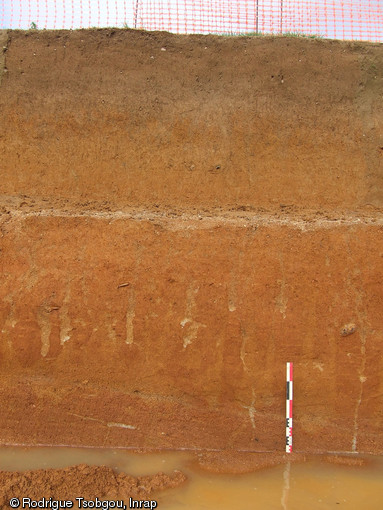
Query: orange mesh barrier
x,y
338,19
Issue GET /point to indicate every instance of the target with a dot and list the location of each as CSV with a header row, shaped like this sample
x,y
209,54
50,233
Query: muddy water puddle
x,y
311,485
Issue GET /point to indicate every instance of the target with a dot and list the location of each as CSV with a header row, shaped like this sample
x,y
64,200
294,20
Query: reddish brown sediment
x,y
86,482
192,352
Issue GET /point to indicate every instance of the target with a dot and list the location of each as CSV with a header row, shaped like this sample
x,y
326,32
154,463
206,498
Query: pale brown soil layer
x,y
108,115
88,482
174,229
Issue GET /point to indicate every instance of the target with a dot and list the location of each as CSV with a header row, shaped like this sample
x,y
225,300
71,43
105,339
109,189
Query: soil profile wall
x,y
174,229
144,332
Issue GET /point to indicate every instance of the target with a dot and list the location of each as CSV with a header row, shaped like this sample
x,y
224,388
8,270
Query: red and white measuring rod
x,y
289,407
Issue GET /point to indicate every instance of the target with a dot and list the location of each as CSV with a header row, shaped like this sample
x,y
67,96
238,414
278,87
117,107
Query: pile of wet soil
x,y
88,482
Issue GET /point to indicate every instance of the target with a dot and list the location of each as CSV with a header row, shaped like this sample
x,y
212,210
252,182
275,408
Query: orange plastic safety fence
x,y
338,19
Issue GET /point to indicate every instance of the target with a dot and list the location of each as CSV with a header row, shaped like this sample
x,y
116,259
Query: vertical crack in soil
x,y
192,325
65,322
359,297
130,314
45,325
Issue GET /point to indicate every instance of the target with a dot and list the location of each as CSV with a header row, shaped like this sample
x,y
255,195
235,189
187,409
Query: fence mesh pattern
x,y
338,19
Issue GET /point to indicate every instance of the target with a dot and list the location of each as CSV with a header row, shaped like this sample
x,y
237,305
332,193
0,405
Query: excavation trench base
x,y
351,482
